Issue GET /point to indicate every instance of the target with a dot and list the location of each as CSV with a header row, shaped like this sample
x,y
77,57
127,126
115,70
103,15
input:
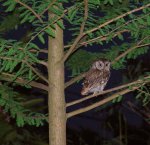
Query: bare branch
x,y
32,102
29,8
100,103
43,50
43,63
106,91
8,77
81,32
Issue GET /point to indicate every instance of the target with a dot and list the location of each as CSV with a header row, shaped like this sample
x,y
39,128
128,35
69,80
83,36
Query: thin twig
x,y
40,51
29,65
15,59
67,84
36,72
32,38
78,38
48,7
144,92
131,49
60,17
8,77
102,38
29,8
116,18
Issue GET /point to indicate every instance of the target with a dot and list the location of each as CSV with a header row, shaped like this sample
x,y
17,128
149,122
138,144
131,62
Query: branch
x,y
116,18
144,92
105,92
102,38
60,17
32,102
131,49
36,72
81,32
32,38
10,58
8,77
100,103
48,7
30,9
67,84
30,66
116,59
43,63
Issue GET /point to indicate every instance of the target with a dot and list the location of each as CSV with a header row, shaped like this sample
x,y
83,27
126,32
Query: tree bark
x,y
56,99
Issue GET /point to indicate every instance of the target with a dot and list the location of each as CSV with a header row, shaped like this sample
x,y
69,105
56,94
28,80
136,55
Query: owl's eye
x,y
100,64
107,64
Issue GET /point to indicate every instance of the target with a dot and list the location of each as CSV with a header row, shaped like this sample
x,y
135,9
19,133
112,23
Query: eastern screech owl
x,y
97,77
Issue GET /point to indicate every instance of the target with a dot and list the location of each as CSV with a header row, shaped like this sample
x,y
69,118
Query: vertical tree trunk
x,y
56,99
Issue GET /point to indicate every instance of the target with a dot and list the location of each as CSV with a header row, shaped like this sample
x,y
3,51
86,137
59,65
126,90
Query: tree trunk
x,y
56,99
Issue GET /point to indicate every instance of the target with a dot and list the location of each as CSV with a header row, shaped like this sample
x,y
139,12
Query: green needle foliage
x,y
105,21
12,103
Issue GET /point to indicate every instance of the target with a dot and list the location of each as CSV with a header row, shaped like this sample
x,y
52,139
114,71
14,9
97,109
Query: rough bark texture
x,y
56,99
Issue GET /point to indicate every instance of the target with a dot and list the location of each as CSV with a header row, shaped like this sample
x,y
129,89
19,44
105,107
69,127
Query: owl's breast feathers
x,y
93,79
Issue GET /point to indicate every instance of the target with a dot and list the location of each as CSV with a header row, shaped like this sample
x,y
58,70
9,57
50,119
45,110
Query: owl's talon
x,y
95,93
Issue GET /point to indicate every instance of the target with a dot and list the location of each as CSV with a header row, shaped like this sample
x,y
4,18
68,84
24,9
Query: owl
x,y
97,77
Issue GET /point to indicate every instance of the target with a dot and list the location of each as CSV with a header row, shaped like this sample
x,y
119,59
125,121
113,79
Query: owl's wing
x,y
94,78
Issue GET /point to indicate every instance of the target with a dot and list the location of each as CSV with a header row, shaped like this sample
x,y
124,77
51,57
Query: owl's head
x,y
102,64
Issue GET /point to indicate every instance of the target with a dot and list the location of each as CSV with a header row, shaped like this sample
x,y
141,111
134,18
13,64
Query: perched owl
x,y
97,77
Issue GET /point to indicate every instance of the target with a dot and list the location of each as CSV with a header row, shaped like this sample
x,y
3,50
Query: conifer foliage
x,y
89,23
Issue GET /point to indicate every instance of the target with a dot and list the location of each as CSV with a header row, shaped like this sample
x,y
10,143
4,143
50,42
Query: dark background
x,y
101,125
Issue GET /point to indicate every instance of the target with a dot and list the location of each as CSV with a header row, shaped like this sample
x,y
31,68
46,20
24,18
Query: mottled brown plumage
x,y
96,78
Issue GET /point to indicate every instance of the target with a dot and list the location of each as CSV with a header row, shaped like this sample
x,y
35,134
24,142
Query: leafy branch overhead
x,y
85,24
